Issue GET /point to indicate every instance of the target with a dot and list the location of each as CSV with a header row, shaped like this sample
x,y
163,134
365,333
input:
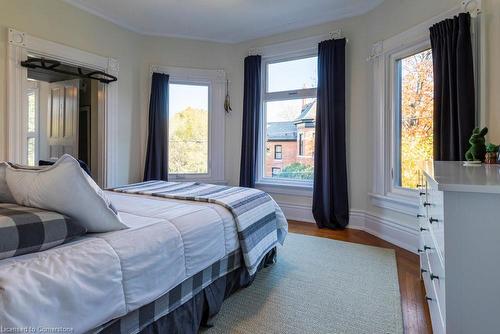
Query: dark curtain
x,y
156,167
454,100
250,128
330,201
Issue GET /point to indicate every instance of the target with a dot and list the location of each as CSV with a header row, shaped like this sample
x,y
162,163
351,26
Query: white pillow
x,y
64,187
5,195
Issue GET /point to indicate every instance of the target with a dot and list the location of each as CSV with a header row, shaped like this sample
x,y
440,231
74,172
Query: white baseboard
x,y
401,235
299,212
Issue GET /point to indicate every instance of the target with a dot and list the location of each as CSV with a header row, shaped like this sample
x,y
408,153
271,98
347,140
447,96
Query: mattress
x,y
99,277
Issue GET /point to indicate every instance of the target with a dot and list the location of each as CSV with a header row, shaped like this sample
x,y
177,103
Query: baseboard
x,y
401,235
298,212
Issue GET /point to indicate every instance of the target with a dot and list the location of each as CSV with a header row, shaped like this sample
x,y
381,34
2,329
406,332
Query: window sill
x,y
399,203
303,190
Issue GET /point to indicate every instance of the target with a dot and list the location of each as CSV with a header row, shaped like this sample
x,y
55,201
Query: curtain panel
x,y
330,195
156,167
454,94
250,127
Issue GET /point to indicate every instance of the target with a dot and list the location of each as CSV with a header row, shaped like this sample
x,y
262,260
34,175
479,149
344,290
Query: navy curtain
x,y
330,200
250,128
156,167
454,95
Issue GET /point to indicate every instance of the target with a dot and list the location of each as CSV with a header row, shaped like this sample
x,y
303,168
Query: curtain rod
x,y
297,44
51,65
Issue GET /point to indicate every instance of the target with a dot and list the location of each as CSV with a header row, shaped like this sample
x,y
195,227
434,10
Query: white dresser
x,y
459,222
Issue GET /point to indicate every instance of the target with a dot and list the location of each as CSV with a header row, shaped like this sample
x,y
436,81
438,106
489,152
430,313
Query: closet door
x,y
62,118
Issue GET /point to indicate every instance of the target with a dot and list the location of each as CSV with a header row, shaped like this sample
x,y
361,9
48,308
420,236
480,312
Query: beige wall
x,y
492,57
57,21
62,23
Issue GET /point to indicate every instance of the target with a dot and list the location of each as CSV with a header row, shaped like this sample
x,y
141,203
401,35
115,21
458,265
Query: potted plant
x,y
491,153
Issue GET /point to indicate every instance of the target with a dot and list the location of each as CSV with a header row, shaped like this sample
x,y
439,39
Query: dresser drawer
x,y
424,261
433,301
435,218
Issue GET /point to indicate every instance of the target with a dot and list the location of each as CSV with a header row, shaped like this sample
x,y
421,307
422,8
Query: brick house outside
x,y
291,142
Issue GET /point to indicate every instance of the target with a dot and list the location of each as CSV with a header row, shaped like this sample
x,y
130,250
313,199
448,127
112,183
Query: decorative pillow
x,y
26,230
5,195
64,187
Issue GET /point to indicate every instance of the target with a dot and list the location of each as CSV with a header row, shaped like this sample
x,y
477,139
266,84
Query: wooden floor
x,y
416,316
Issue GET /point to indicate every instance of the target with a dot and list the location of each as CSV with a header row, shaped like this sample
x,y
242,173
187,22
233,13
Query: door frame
x,y
20,45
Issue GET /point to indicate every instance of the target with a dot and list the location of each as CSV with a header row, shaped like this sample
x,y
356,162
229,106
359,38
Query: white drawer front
x,y
434,306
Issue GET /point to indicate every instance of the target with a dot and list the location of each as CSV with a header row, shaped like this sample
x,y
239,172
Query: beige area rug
x,y
318,285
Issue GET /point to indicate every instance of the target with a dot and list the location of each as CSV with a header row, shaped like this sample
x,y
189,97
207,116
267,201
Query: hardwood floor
x,y
416,316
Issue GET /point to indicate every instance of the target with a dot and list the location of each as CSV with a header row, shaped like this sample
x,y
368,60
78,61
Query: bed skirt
x,y
187,315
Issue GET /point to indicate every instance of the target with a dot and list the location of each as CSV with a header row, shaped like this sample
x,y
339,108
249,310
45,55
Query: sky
x,y
184,96
294,74
289,75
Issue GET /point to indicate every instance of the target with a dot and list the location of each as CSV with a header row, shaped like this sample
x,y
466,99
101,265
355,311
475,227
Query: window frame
x,y
303,187
33,88
395,98
276,152
216,81
199,83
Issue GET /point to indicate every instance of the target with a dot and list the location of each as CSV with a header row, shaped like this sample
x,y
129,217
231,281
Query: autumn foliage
x,y
417,90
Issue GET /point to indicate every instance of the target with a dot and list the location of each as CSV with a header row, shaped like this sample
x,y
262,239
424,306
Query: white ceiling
x,y
229,21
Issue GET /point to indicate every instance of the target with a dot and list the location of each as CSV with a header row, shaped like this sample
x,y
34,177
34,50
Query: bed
x,y
149,275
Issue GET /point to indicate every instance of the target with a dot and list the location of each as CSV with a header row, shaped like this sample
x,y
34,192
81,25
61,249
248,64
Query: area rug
x,y
318,285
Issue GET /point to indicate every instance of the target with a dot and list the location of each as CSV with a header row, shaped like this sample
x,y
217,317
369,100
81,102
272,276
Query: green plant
x,y
491,148
297,170
477,151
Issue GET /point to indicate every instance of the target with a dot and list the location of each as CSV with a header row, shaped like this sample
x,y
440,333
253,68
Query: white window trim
x,y
33,87
215,80
383,56
290,50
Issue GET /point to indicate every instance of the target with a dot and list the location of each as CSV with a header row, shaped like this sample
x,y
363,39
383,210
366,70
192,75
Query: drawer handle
x,y
420,185
428,299
433,277
420,251
420,216
421,193
432,220
426,248
423,271
423,229
427,204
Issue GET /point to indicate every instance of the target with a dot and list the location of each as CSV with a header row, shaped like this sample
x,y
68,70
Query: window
x,y
278,152
301,144
195,123
415,94
289,105
188,129
403,114
32,124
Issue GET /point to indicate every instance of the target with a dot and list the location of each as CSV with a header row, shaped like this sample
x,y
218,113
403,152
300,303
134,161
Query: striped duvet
x,y
259,221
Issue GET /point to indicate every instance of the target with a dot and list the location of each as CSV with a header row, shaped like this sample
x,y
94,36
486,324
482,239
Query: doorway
x,y
62,118
23,93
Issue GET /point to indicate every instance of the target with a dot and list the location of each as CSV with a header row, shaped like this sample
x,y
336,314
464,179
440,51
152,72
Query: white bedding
x,y
90,281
